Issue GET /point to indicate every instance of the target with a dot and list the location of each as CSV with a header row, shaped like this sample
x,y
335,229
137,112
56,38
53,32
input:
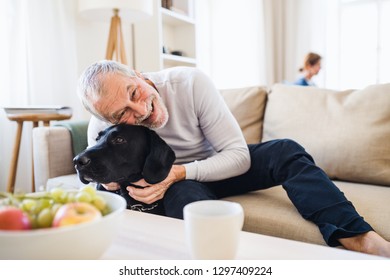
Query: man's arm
x,y
222,131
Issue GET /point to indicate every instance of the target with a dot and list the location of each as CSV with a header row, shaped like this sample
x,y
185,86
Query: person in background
x,y
311,67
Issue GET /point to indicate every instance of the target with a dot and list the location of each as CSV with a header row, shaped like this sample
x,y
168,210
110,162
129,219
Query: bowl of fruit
x,y
59,224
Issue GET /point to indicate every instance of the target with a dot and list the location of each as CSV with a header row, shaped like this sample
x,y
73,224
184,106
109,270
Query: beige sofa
x,y
347,133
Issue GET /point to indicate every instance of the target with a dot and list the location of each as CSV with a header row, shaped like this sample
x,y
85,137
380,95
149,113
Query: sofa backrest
x,y
247,106
346,132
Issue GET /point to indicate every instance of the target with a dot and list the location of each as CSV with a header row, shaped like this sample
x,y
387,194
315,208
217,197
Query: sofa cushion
x,y
271,212
52,150
247,106
346,132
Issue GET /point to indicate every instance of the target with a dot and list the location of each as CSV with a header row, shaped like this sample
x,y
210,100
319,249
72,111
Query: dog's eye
x,y
119,140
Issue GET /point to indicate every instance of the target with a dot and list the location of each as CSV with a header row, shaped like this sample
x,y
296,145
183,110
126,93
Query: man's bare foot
x,y
369,243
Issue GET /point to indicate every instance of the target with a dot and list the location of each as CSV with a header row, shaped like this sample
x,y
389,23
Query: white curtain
x,y
293,28
230,42
38,67
276,38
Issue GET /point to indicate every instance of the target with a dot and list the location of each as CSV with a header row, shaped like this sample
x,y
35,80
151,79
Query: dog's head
x,y
124,154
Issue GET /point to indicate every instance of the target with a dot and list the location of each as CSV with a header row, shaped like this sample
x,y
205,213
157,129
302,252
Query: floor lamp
x,y
127,10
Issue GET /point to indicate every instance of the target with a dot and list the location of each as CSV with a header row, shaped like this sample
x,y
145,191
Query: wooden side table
x,y
20,119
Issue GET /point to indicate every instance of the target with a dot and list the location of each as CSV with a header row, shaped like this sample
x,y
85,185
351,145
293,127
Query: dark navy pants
x,y
286,163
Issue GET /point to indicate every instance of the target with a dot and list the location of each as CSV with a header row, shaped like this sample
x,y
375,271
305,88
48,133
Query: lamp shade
x,y
102,10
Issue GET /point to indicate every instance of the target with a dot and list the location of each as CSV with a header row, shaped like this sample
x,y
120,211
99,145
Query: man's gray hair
x,y
91,84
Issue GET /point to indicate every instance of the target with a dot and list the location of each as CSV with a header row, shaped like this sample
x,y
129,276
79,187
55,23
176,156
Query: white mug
x,y
213,229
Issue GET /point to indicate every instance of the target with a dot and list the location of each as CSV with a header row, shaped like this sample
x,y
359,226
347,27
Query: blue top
x,y
301,82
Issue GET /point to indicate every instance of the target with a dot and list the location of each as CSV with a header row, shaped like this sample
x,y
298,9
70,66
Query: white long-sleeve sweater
x,y
201,130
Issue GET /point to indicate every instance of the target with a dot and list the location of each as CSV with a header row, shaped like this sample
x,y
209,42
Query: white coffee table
x,y
152,237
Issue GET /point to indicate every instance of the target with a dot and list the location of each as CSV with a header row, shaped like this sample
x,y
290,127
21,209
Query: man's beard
x,y
162,112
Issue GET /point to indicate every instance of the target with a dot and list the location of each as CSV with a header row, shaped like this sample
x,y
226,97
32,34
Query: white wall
x,y
92,37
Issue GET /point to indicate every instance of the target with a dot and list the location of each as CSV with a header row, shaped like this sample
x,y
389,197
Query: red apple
x,y
75,213
12,218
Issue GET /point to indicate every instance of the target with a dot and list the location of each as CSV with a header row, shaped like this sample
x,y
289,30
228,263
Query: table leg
x,y
15,157
35,124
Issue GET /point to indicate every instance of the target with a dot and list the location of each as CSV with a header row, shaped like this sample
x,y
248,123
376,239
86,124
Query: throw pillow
x,y
346,132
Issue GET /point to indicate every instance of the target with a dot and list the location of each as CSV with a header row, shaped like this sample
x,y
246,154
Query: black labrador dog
x,y
124,154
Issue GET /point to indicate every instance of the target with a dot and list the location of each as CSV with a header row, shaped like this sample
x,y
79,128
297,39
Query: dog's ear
x,y
159,160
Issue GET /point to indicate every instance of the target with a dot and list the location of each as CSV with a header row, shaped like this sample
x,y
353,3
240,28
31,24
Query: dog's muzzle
x,y
81,161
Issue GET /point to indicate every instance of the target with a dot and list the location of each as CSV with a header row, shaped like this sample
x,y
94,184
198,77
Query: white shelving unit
x,y
169,30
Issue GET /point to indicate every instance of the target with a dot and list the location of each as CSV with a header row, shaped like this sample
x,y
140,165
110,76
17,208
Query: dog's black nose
x,y
81,161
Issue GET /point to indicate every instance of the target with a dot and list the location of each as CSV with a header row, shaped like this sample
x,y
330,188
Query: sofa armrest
x,y
52,154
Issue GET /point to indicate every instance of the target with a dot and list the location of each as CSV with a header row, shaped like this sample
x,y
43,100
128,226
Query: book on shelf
x,y
61,110
164,4
167,4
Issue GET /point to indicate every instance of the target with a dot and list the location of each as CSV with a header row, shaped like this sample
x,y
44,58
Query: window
x,y
384,43
364,44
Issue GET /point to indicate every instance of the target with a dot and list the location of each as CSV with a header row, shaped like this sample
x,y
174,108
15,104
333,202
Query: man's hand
x,y
111,186
152,193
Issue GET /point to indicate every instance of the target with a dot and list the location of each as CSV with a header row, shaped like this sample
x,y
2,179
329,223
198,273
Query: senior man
x,y
213,160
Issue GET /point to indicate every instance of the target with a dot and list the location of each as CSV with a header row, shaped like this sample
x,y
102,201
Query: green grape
x,y
99,203
33,220
55,208
71,197
106,211
34,195
36,209
28,204
45,218
83,197
57,194
64,197
89,189
40,205
44,203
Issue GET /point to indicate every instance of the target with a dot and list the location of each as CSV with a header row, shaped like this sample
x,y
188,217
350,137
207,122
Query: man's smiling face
x,y
130,100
